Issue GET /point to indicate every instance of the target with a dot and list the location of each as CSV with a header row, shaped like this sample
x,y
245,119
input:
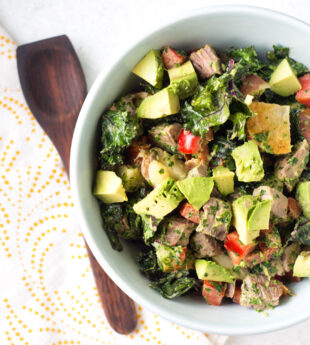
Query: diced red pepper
x,y
236,249
182,258
304,124
189,212
188,143
237,295
213,292
303,95
172,58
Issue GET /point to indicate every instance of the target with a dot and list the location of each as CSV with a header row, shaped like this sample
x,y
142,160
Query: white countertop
x,y
98,28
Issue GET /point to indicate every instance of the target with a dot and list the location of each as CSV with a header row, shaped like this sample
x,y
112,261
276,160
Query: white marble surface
x,y
100,28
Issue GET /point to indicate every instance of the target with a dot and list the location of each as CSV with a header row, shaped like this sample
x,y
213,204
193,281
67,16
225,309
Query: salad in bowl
x,y
205,168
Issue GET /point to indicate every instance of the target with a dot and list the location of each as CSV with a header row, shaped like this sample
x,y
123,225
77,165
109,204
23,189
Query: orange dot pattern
x,y
47,291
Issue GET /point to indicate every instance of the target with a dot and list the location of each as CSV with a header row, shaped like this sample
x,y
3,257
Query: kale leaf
x,y
112,215
150,226
239,122
119,126
271,97
296,135
173,284
240,112
147,262
221,150
246,62
305,176
120,221
209,106
301,231
134,229
279,53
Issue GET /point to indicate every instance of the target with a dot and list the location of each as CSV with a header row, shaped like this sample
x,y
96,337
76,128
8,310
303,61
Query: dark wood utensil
x,y
54,87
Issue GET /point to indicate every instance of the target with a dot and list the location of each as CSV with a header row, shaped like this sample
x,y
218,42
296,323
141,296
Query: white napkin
x,y
47,291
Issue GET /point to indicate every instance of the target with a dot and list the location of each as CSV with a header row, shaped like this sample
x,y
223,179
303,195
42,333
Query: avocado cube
x,y
224,179
161,104
161,200
303,197
249,164
302,265
131,177
151,68
283,80
250,216
209,270
196,190
259,217
183,80
109,187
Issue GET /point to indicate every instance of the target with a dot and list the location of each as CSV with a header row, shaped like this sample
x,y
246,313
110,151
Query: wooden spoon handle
x,y
54,87
118,307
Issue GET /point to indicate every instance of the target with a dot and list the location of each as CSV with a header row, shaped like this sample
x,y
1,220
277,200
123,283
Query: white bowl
x,y
220,26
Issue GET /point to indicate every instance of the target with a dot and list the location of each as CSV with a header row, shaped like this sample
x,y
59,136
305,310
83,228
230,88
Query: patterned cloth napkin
x,y
47,291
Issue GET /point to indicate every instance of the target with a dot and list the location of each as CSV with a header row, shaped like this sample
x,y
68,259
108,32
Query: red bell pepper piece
x,y
172,58
303,95
213,292
189,212
236,249
188,143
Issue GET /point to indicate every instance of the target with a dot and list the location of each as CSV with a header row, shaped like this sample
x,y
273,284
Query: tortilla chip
x,y
270,128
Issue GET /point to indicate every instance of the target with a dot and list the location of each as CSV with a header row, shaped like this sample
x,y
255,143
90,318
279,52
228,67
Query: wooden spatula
x,y
54,87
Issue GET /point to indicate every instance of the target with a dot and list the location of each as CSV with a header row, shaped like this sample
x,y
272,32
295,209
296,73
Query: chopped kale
x,y
147,262
112,215
305,176
221,150
150,226
301,231
279,53
209,107
173,284
118,129
239,122
296,134
134,229
246,61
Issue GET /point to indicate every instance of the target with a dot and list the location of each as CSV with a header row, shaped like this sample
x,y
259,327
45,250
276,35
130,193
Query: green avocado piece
x,y
209,270
161,200
259,217
151,68
109,187
161,104
131,177
169,258
303,197
250,216
283,80
224,179
302,265
183,80
249,164
196,190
